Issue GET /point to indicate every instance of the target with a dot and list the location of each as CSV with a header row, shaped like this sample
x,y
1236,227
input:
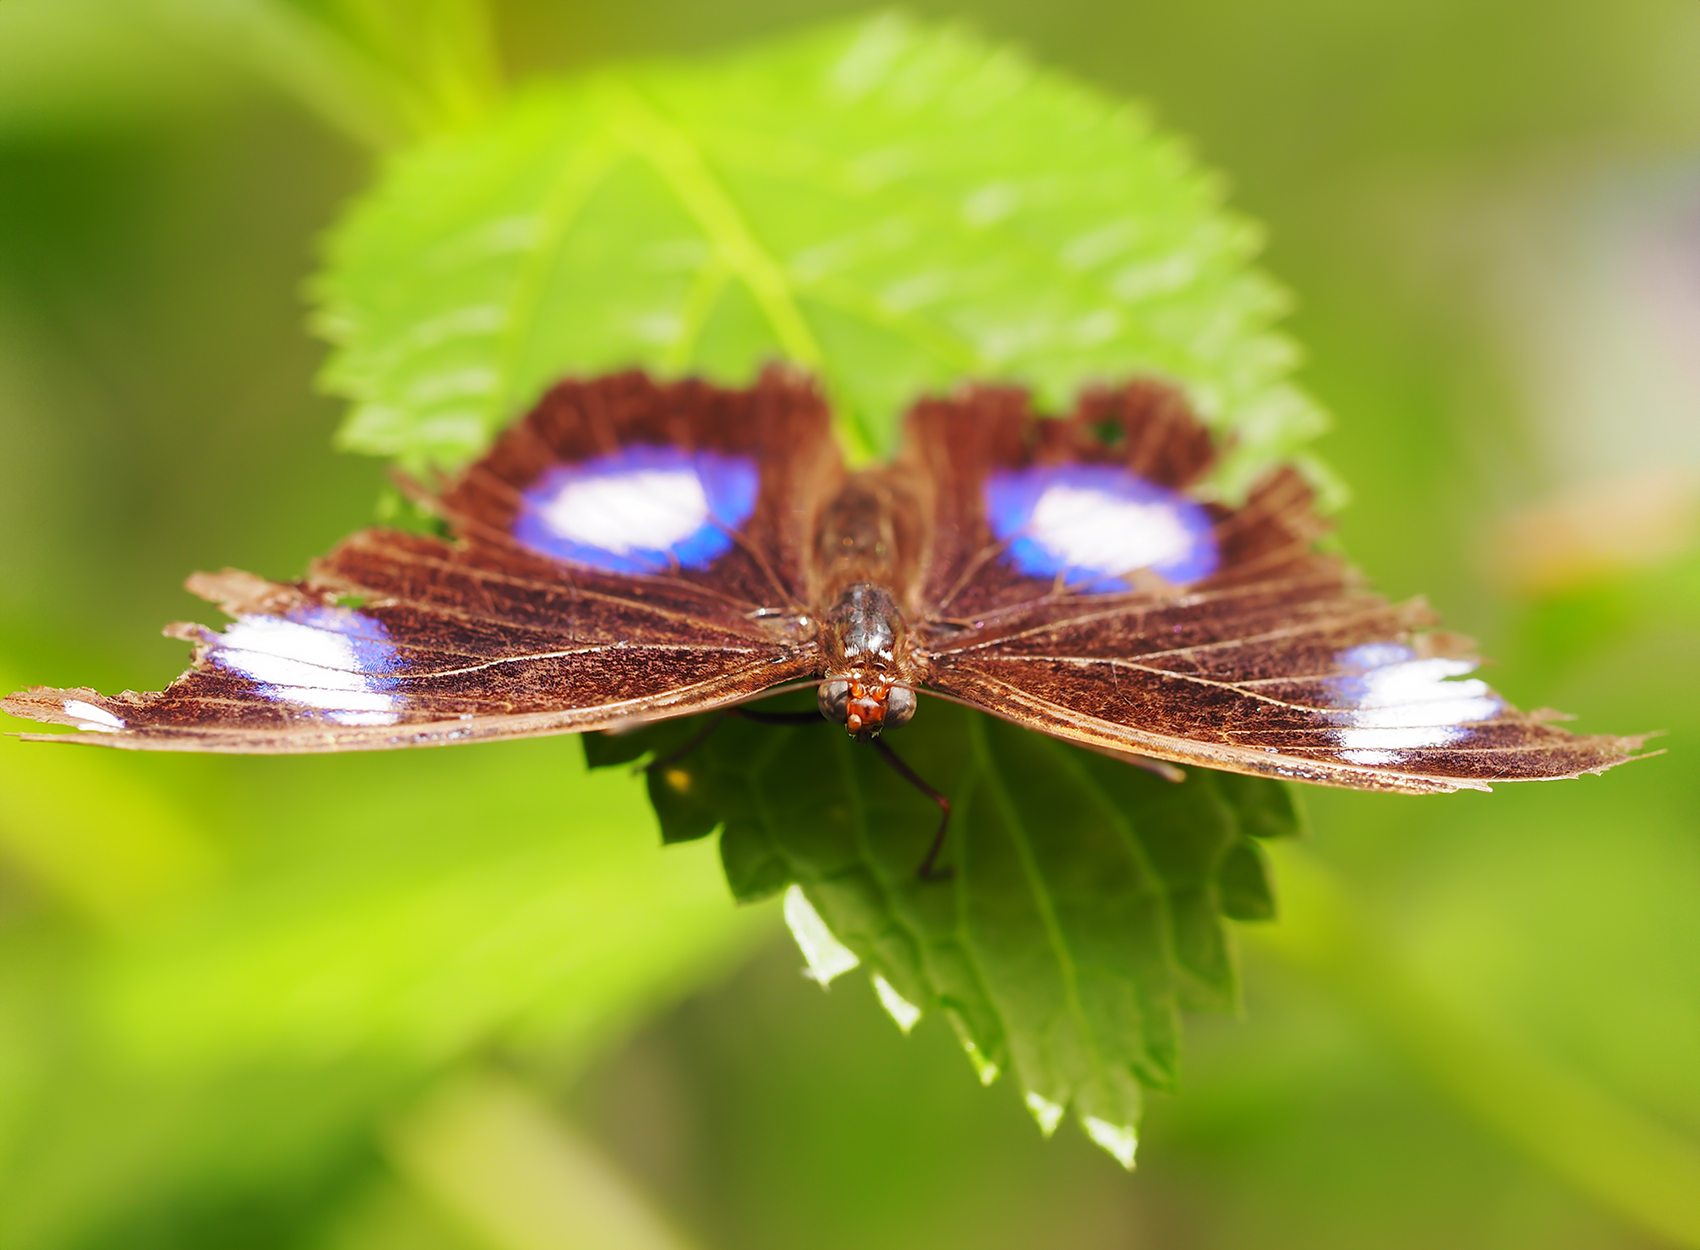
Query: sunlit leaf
x,y
896,206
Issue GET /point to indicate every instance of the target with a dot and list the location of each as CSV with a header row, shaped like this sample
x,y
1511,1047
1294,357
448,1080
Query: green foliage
x,y
291,957
895,206
899,208
154,211
1086,904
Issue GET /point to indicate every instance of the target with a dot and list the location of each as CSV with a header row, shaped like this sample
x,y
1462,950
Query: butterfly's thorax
x,y
866,554
865,630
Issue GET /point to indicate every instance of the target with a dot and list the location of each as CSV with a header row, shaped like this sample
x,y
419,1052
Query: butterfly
x,y
635,549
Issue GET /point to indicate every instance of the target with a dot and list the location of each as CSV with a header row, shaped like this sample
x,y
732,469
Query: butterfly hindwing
x,y
1083,588
628,550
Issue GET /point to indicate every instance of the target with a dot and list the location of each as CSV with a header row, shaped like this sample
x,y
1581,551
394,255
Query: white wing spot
x,y
1091,529
92,718
646,510
314,667
1405,703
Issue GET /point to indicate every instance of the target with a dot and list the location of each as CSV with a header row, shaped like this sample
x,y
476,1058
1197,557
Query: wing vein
x,y
1127,606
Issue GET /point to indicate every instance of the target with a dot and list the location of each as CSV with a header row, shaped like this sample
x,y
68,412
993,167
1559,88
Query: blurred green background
x,y
460,999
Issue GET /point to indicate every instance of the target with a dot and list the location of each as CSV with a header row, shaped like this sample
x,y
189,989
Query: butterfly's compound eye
x,y
832,697
899,706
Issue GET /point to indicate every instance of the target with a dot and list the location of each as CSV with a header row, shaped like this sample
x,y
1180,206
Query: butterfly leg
x,y
929,869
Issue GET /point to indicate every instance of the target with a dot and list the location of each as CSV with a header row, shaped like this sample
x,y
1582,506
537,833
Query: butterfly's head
x,y
865,707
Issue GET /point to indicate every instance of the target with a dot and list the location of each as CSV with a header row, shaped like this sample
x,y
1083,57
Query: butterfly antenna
x,y
929,869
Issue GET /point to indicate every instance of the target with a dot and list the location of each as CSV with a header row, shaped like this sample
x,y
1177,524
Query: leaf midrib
x,y
649,134
1156,887
1089,282
1041,898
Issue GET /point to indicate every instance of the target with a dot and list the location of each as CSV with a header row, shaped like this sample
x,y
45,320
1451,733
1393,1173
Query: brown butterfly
x,y
635,550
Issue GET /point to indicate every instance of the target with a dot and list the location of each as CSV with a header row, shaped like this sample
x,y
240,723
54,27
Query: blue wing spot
x,y
640,509
1096,523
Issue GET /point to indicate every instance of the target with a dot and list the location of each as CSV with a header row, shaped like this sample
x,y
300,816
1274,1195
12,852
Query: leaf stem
x,y
304,59
1645,1172
489,1153
417,70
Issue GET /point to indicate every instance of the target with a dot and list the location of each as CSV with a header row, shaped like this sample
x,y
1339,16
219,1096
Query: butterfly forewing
x,y
1082,588
1028,514
707,487
629,550
633,550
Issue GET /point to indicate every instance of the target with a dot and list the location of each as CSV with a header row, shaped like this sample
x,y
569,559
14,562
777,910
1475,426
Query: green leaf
x,y
1086,905
899,208
893,205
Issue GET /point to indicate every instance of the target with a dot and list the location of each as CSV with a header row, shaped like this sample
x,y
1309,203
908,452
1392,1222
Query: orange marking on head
x,y
865,707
